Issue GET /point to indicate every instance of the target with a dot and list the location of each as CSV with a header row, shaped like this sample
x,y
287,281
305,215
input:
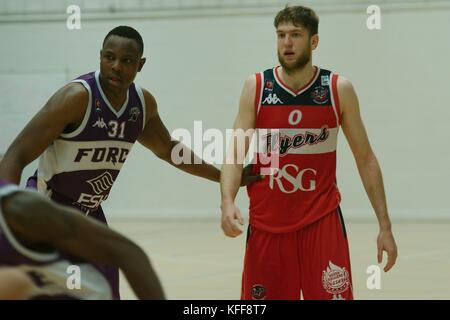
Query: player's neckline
x,y
119,112
291,91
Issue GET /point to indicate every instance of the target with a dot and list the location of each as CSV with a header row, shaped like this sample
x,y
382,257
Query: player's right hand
x,y
231,220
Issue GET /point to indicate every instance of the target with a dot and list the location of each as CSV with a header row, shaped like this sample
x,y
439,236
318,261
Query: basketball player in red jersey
x,y
296,242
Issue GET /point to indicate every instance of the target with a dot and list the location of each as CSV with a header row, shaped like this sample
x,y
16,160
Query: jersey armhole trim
x,y
335,97
142,98
87,114
258,91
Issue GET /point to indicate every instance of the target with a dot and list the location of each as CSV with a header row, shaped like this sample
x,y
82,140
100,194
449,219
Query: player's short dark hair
x,y
299,16
126,32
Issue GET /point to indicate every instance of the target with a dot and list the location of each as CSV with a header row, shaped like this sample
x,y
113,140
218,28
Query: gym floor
x,y
195,261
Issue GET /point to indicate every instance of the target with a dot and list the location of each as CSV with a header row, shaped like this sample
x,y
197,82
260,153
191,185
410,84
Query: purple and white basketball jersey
x,y
50,272
82,166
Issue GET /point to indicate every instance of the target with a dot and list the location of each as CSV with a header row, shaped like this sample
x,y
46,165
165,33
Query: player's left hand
x,y
247,177
386,242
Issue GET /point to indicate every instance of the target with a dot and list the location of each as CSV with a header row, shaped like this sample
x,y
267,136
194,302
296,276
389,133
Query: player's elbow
x,y
173,151
368,161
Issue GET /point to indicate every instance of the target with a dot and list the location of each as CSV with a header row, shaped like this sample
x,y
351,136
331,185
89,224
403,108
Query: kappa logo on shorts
x,y
258,292
335,280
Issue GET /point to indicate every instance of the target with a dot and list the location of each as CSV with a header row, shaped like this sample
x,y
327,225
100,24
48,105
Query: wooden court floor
x,y
194,260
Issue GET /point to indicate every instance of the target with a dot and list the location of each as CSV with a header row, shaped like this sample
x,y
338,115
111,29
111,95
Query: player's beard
x,y
298,64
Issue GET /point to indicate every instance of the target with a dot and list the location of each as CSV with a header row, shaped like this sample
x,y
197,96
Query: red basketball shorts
x,y
313,262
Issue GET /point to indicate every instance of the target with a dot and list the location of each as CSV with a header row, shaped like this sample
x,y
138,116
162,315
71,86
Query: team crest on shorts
x,y
258,292
335,280
319,95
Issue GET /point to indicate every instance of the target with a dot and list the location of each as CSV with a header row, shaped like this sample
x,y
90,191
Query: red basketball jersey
x,y
299,130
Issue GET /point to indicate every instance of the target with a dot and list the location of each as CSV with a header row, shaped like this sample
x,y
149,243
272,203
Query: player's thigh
x,y
270,267
325,260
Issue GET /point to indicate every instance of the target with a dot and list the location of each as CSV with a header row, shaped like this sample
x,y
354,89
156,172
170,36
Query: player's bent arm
x,y
242,130
37,220
365,158
14,284
157,138
64,109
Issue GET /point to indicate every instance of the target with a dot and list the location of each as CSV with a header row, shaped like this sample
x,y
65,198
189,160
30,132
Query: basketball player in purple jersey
x,y
40,240
86,130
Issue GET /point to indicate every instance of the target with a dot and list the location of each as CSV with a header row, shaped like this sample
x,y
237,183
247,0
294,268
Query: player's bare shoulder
x,y
151,107
248,93
344,85
347,94
69,102
249,87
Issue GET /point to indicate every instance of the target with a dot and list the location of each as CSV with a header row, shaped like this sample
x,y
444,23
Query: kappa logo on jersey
x,y
275,141
272,99
319,95
268,86
111,154
134,114
298,179
100,123
101,183
335,280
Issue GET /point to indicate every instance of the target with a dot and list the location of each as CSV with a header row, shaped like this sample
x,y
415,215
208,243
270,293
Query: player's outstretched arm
x,y
64,109
157,138
35,219
232,169
368,168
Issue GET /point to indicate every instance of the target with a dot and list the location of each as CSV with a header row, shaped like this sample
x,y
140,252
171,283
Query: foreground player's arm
x,y
156,137
65,108
37,220
232,169
368,168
